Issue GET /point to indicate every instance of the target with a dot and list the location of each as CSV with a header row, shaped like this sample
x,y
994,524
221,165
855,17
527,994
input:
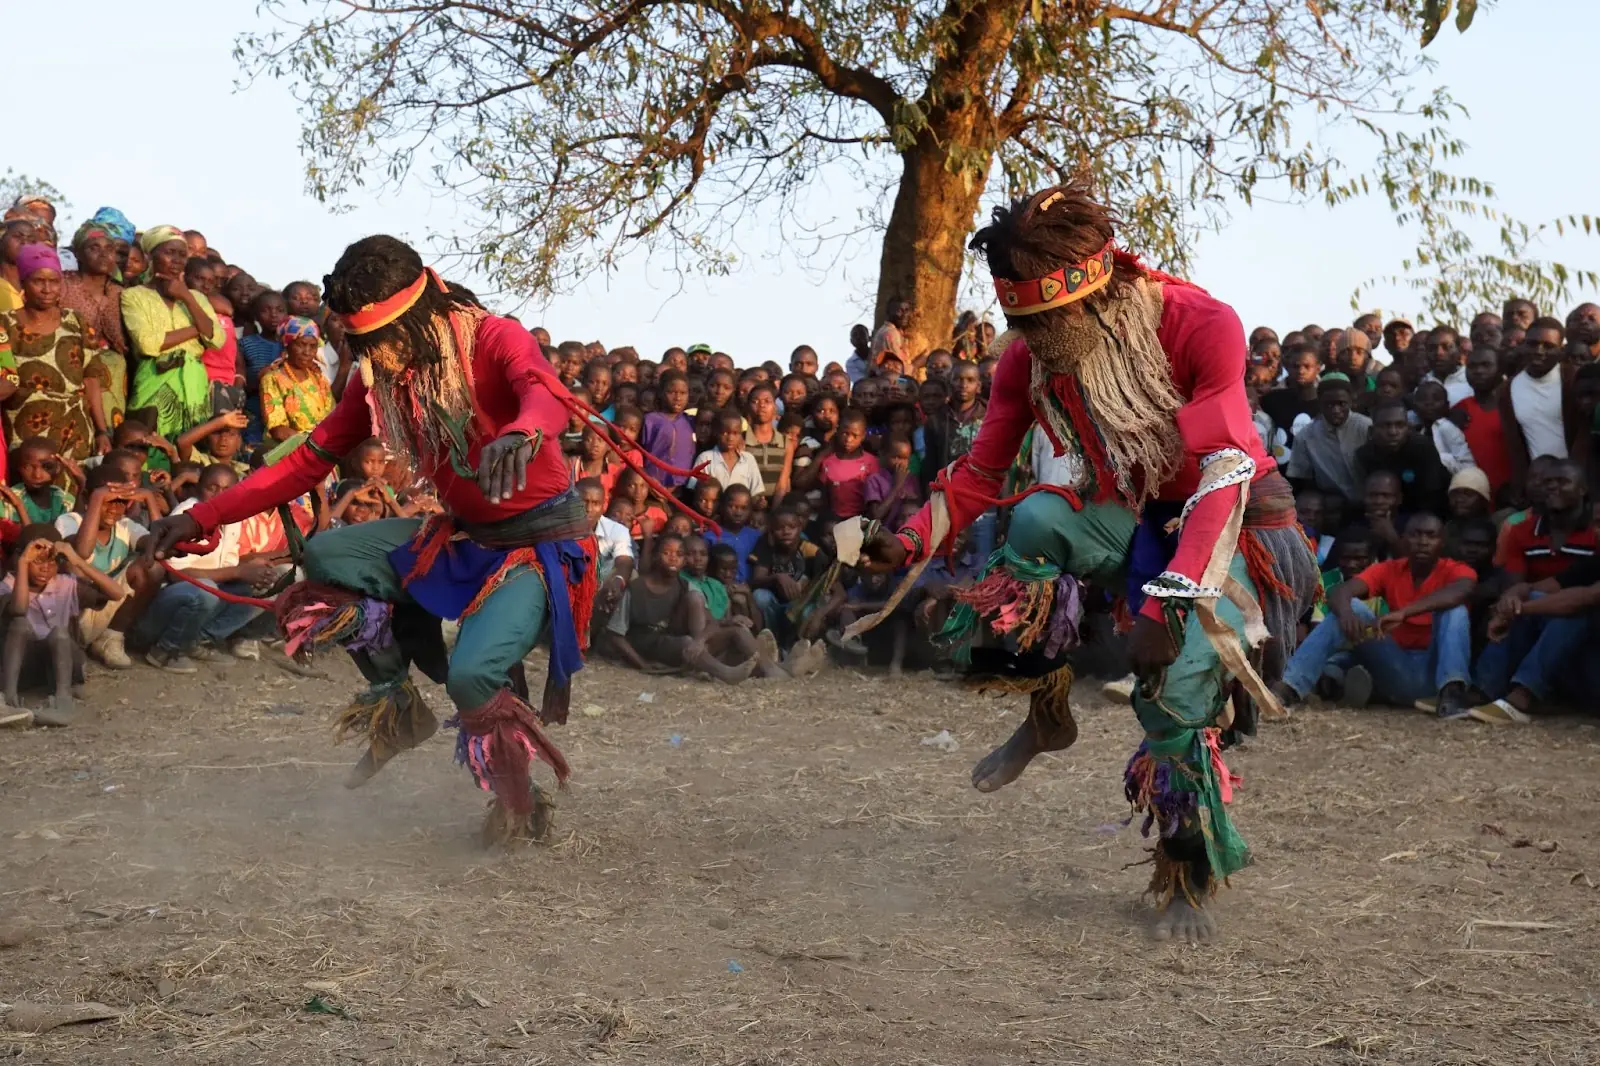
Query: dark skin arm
x,y
1452,595
806,477
227,420
1340,599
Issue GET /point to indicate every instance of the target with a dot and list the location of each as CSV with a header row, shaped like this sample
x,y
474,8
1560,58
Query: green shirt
x,y
60,502
714,592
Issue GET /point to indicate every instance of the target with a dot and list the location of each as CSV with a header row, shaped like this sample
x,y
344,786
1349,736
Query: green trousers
x,y
1093,544
492,639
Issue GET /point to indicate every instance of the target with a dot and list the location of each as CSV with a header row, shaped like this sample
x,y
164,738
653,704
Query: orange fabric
x,y
1392,581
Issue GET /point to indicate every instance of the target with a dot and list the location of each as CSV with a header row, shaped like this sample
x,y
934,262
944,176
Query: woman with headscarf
x,y
20,228
92,291
53,363
122,233
169,327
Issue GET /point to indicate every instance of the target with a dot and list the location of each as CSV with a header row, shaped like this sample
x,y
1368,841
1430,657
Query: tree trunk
x,y
924,247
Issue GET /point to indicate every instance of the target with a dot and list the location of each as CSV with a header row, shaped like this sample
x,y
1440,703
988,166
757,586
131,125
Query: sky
x,y
228,163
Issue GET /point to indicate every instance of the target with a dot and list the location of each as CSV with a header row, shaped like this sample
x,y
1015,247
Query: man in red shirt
x,y
1420,648
1542,542
1145,374
468,400
1479,417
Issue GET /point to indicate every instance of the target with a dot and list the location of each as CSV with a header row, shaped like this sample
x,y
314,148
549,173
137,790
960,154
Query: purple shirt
x,y
669,438
905,503
53,607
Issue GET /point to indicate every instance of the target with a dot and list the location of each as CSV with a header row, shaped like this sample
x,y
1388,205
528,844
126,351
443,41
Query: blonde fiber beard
x,y
1116,355
393,384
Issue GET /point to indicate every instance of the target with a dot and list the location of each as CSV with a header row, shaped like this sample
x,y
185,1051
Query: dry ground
x,y
793,879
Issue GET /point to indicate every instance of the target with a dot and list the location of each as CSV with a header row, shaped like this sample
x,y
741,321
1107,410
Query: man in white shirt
x,y
185,622
1535,400
1448,363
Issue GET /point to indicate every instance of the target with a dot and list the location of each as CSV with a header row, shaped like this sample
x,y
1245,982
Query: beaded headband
x,y
376,315
1059,287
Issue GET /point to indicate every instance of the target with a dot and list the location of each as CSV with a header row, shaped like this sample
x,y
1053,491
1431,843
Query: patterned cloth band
x,y
1059,287
376,315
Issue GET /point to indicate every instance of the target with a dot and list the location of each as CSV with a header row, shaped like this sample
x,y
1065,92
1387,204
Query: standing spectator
x,y
51,379
1397,334
1372,325
764,443
668,433
92,290
803,361
890,338
260,350
1421,647
1445,359
892,494
950,430
1293,406
1538,406
19,231
1324,454
1479,418
223,363
1432,405
1518,314
1353,358
728,463
1583,334
1486,331
295,394
1394,446
842,468
170,326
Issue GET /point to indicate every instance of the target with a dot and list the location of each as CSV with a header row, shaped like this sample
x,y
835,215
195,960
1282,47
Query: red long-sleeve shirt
x,y
508,397
1205,346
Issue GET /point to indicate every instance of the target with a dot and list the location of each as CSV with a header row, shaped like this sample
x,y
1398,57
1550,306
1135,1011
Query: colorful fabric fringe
x,y
377,713
312,616
1182,787
1027,599
498,742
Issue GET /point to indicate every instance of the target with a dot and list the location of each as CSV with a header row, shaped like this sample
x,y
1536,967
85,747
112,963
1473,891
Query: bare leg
x,y
899,632
1185,918
697,655
19,634
62,662
1048,727
144,585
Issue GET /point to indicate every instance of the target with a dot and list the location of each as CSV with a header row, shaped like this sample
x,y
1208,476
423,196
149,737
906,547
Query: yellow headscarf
x,y
156,236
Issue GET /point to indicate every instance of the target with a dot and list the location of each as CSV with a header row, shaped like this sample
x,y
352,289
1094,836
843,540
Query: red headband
x,y
377,315
1059,287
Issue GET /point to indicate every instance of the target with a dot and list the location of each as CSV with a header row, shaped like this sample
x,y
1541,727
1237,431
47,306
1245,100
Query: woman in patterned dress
x,y
50,361
93,292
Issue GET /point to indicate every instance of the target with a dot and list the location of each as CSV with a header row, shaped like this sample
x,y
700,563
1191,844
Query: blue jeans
x,y
1399,676
1541,653
229,618
175,618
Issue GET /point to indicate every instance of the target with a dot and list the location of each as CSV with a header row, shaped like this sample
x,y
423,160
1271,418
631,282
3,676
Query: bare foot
x,y
1039,732
1184,922
59,711
735,674
807,659
767,647
1005,764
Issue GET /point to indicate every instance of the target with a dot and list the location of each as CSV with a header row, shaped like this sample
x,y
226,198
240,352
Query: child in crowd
x,y
223,439
728,462
357,502
1381,513
38,466
613,548
782,567
102,534
42,602
892,493
696,574
649,516
594,461
260,350
572,436
705,498
1310,508
736,531
668,434
1432,404
724,566
660,626
842,467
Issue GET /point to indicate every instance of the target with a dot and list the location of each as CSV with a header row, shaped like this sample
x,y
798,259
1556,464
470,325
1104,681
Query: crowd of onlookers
x,y
1442,477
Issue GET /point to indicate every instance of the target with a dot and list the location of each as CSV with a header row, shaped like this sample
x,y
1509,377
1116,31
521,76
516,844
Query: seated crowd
x,y
1444,480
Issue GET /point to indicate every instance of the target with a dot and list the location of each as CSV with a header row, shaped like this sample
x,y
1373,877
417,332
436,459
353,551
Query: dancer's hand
x,y
1150,646
884,551
503,466
168,533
